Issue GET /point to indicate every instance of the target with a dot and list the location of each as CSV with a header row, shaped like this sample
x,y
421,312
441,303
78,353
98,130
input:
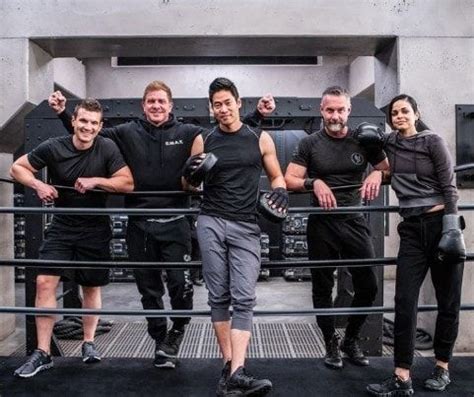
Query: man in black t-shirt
x,y
156,148
330,158
82,162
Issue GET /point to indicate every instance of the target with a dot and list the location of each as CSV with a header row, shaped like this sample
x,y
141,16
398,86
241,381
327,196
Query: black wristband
x,y
308,184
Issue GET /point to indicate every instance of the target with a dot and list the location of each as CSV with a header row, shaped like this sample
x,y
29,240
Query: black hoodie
x,y
422,172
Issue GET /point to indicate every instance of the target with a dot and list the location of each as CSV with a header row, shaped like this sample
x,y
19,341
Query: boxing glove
x,y
197,166
451,247
370,137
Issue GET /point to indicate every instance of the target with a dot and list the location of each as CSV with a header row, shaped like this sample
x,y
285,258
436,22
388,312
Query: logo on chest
x,y
173,143
357,158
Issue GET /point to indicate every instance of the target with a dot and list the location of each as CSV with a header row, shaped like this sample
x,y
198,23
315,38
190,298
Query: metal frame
x,y
465,144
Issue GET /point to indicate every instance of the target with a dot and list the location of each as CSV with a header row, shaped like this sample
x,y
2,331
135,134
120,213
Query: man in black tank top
x,y
227,230
325,159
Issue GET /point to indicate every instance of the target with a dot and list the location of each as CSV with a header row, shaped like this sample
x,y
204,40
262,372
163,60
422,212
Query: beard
x,y
335,127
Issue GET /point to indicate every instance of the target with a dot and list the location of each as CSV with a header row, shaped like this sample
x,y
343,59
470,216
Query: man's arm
x,y
23,172
57,102
121,182
276,200
371,186
270,161
265,107
295,178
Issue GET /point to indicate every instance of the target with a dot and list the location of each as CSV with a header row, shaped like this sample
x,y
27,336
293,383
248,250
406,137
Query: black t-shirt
x,y
231,188
65,164
336,161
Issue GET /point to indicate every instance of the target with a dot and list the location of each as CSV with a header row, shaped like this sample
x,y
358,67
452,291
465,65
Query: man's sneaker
x,y
167,351
38,361
241,383
351,347
391,387
89,353
438,380
333,358
170,345
222,384
165,362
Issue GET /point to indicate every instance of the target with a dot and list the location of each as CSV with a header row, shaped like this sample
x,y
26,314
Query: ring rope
x,y
207,313
268,264
187,211
171,193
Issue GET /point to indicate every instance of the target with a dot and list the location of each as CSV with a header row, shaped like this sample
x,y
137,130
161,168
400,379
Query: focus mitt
x,y
274,205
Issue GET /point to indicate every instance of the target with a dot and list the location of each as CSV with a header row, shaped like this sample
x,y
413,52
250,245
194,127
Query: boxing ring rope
x,y
188,211
168,193
274,264
207,313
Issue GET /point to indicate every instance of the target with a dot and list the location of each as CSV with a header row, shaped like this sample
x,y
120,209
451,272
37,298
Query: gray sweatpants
x,y
230,265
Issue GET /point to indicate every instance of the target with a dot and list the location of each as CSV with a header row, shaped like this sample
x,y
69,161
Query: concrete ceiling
x,y
90,47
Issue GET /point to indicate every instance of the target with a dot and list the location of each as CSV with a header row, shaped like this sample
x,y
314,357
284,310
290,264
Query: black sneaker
x,y
351,347
241,383
167,351
89,353
165,362
170,345
391,387
333,358
438,380
37,362
221,385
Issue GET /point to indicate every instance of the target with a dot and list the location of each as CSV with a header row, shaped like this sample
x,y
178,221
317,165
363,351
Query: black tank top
x,y
231,188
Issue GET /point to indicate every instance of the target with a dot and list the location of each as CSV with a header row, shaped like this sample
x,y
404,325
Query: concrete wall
x,y
362,76
7,295
27,78
104,81
122,18
70,75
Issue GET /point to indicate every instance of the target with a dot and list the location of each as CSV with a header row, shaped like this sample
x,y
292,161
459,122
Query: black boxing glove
x,y
451,247
197,166
274,205
370,137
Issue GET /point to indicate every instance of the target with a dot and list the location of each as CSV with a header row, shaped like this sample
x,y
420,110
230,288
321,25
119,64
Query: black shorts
x,y
78,244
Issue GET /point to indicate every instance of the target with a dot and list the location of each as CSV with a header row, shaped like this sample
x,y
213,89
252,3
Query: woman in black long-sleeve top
x,y
422,176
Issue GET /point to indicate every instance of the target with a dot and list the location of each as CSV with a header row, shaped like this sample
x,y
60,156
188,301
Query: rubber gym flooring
x,y
198,377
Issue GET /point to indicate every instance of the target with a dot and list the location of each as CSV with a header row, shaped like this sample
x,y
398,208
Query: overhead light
x,y
212,60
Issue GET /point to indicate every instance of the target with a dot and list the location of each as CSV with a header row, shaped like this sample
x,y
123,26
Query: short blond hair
x,y
155,86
